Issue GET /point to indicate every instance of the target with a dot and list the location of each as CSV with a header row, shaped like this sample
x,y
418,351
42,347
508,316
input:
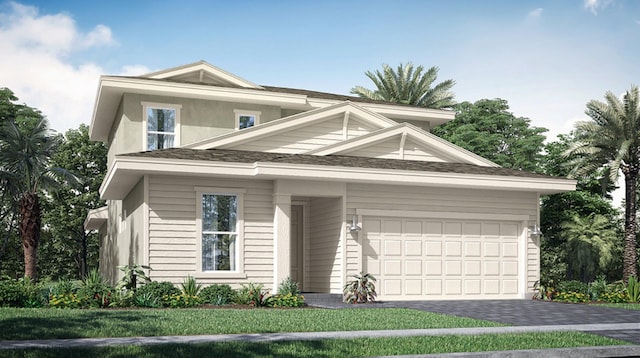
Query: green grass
x,y
338,347
626,306
24,323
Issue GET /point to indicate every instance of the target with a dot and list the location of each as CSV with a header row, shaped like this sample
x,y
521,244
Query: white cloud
x,y
38,69
595,5
536,13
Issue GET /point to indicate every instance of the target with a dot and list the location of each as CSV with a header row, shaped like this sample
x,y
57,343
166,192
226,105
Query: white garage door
x,y
442,259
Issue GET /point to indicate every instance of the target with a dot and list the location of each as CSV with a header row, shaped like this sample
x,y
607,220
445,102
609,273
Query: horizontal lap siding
x,y
357,128
324,254
301,139
389,149
415,151
387,197
172,229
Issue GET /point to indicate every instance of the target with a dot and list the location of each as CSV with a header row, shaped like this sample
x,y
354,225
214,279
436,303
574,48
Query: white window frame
x,y
154,105
241,112
239,250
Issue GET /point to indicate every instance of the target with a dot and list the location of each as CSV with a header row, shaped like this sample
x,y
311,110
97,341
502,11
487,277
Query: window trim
x,y
242,112
239,259
176,107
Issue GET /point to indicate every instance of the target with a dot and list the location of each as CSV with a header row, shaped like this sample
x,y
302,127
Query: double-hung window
x,y
246,119
219,215
162,122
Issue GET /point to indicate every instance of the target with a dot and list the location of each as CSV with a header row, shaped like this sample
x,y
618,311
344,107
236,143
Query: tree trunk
x,y
30,217
83,258
629,257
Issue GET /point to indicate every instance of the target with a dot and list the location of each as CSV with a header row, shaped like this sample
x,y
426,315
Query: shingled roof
x,y
239,156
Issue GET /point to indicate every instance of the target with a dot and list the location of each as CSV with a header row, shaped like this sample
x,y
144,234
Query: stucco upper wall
x,y
199,120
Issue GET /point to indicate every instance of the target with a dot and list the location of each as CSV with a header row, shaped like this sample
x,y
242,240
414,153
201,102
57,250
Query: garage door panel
x,y
413,248
392,247
413,287
392,267
413,267
443,259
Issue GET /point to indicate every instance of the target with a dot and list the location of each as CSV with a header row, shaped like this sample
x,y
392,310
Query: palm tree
x,y
25,170
611,140
408,86
590,244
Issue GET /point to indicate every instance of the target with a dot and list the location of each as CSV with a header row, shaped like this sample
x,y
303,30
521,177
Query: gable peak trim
x,y
202,68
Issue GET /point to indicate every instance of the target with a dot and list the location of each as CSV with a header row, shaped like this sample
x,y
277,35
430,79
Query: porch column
x,y
281,238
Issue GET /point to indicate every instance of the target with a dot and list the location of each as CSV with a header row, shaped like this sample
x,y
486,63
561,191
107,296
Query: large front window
x,y
162,125
219,232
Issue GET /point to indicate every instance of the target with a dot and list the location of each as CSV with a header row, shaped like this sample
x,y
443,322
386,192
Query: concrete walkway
x,y
607,351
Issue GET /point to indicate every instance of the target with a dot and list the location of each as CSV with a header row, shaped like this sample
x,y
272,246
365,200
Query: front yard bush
x,y
11,293
287,300
154,292
573,286
218,295
182,300
614,297
574,297
64,300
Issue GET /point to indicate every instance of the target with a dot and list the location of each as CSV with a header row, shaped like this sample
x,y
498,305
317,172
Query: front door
x,y
297,247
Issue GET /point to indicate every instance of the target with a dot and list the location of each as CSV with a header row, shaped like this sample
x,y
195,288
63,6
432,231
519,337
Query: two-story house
x,y
213,176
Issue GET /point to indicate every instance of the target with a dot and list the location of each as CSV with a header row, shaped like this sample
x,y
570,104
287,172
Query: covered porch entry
x,y
309,231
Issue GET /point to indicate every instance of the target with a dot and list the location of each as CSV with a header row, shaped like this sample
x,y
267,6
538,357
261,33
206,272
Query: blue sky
x,y
546,58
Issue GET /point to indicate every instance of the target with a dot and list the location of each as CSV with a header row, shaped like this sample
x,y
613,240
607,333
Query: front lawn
x,y
25,323
338,347
626,306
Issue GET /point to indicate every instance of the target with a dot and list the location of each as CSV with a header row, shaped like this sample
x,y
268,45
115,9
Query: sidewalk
x,y
274,337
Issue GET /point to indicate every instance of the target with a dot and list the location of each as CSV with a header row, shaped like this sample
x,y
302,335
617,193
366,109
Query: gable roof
x,y
127,170
204,72
347,109
202,80
436,144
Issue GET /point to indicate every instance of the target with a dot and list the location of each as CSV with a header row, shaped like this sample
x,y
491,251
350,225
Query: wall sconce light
x,y
354,225
535,230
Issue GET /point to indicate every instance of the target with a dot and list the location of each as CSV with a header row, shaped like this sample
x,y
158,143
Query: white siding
x,y
356,128
387,197
388,149
303,139
415,151
172,229
324,254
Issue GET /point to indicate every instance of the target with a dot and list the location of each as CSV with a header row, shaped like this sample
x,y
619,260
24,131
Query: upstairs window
x,y
246,119
162,122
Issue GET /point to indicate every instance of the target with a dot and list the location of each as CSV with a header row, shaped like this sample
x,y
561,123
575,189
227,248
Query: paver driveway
x,y
533,313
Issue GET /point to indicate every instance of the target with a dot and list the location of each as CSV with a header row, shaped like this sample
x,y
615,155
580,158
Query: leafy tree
x,y
408,86
488,129
26,147
590,244
71,251
591,197
611,140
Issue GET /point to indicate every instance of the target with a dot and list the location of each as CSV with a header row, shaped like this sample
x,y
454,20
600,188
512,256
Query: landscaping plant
x,y
218,294
288,295
254,295
288,286
132,274
155,291
633,289
360,290
94,291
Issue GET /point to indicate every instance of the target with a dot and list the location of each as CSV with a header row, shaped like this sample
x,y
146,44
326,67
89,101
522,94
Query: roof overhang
x,y
126,171
96,218
112,88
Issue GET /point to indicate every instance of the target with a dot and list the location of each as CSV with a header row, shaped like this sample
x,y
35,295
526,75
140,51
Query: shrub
x,y
575,297
148,300
190,287
288,286
253,294
156,291
11,293
573,286
132,275
63,287
94,291
287,300
360,290
597,288
614,297
122,298
34,294
181,300
633,290
64,300
218,294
